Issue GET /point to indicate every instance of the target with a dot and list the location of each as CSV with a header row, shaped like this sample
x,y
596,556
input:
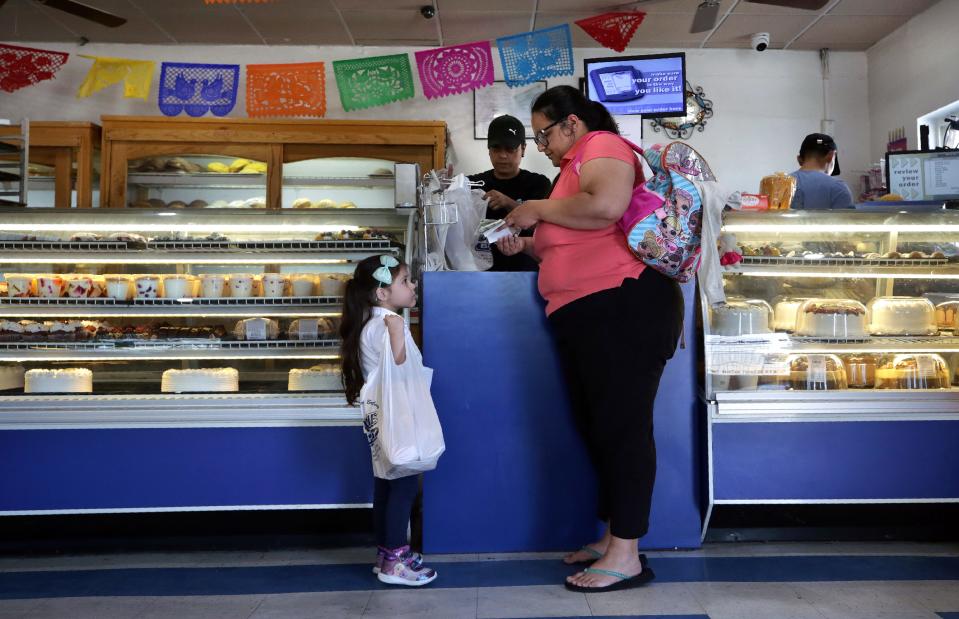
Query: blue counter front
x,y
515,476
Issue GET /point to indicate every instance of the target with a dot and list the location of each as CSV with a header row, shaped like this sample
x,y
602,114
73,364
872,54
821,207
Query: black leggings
x,y
613,346
392,505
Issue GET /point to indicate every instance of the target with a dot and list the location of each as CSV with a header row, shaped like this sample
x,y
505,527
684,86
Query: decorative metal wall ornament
x,y
698,109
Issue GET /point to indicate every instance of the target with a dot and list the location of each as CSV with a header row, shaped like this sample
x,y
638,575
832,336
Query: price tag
x,y
307,329
256,329
926,366
817,368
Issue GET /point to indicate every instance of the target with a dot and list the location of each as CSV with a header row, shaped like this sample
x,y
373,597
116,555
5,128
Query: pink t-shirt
x,y
577,263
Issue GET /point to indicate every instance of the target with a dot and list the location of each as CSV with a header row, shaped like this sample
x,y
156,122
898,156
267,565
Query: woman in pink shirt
x,y
616,323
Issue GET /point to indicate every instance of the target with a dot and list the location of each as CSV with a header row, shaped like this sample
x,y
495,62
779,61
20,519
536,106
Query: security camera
x,y
760,41
428,11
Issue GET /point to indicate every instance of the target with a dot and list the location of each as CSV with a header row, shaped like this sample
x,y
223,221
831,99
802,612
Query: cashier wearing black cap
x,y
816,184
507,186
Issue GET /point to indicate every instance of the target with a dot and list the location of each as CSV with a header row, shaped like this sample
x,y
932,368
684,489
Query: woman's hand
x,y
524,216
511,245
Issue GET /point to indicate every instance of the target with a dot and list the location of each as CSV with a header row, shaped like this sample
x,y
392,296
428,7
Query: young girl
x,y
380,287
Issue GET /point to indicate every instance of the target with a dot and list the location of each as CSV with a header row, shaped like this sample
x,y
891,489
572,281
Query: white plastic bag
x,y
465,247
399,419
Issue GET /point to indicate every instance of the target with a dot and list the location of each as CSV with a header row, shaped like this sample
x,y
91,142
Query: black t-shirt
x,y
524,186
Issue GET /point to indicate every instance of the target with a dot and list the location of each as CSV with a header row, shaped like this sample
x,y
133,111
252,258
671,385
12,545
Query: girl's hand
x,y
524,216
396,329
511,245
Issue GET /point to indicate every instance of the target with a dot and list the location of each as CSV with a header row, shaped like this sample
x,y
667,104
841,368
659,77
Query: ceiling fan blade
x,y
705,18
84,11
808,5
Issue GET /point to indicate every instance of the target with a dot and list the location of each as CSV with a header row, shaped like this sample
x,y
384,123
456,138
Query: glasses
x,y
540,137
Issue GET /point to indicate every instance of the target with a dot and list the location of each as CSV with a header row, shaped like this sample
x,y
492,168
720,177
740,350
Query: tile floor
x,y
720,581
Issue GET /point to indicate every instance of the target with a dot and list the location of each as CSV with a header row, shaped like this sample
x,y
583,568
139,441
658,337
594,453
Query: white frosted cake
x,y
323,377
902,316
200,381
11,377
784,315
741,317
841,319
72,380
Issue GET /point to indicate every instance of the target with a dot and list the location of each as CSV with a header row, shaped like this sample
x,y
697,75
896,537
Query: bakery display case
x,y
64,164
132,294
152,162
203,321
836,348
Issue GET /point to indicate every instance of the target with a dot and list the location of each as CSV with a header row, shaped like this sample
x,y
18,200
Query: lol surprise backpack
x,y
663,221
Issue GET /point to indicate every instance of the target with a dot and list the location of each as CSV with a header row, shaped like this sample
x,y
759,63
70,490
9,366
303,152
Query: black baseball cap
x,y
820,144
505,131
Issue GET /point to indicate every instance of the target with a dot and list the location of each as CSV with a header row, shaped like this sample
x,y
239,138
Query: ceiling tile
x,y
602,6
377,5
882,7
753,8
659,28
390,25
207,24
66,27
466,27
311,23
845,31
510,6
737,29
22,22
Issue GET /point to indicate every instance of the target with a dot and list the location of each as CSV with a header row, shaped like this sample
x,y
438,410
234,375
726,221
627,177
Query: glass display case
x,y
178,316
832,284
833,360
153,162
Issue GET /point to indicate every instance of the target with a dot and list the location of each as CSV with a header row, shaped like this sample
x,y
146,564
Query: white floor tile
x,y
328,605
752,601
202,607
539,601
673,598
91,608
432,603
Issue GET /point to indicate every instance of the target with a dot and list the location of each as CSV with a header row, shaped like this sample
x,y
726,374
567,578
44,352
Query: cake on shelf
x,y
913,371
784,315
257,329
902,316
11,377
816,373
311,329
200,381
740,317
323,377
840,319
860,370
946,313
70,380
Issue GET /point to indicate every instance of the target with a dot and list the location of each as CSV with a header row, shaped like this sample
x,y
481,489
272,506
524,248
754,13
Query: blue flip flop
x,y
597,555
625,582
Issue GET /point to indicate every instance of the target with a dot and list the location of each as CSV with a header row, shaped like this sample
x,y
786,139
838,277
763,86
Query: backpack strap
x,y
575,162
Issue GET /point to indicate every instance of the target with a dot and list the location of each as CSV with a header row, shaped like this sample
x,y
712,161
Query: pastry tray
x,y
229,301
184,344
194,245
859,262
